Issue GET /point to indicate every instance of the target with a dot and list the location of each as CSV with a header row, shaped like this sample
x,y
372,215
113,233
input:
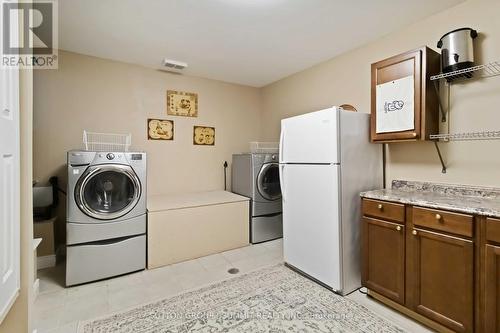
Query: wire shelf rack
x,y
481,71
467,136
264,147
486,70
106,141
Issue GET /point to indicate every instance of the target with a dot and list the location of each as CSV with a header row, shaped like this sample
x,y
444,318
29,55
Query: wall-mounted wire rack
x,y
477,72
480,71
467,136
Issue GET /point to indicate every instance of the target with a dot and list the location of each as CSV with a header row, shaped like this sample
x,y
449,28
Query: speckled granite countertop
x,y
458,198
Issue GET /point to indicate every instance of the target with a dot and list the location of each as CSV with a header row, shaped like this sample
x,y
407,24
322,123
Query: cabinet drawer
x,y
384,210
455,223
493,230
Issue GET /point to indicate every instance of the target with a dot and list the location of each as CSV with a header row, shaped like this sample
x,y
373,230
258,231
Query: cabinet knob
x,y
380,206
414,232
414,135
438,217
398,228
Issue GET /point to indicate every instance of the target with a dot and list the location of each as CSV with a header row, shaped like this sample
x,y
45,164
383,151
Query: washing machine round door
x,y
268,181
107,192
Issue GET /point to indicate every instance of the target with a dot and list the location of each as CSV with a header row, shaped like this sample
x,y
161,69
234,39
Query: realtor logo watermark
x,y
29,37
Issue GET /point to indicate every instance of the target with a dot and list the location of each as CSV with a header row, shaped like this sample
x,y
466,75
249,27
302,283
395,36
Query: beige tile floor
x,y
58,309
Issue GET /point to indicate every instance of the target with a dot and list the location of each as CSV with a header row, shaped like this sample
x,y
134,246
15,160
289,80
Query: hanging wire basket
x,y
264,147
106,141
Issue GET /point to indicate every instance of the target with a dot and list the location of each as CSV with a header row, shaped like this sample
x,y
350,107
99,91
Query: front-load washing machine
x,y
256,175
106,215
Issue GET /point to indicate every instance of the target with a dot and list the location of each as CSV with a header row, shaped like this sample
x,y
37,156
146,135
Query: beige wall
x,y
102,95
107,96
346,79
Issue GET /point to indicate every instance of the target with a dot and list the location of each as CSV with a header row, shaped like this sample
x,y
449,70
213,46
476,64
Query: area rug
x,y
273,299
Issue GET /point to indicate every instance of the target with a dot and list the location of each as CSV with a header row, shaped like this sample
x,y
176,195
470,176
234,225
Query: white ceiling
x,y
251,42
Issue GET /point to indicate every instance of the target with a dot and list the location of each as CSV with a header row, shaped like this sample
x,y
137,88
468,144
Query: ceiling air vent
x,y
173,65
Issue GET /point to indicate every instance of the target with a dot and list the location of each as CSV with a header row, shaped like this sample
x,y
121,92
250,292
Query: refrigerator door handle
x,y
282,181
282,142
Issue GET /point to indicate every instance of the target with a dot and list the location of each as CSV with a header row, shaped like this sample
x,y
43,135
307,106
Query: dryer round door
x,y
268,181
108,191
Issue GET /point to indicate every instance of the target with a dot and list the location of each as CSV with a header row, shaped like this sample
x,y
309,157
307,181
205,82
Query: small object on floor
x,y
233,271
363,290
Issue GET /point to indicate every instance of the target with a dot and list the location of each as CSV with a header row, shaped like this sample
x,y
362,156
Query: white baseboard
x,y
46,261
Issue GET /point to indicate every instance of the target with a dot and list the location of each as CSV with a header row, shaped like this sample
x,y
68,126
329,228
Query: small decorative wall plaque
x,y
181,103
204,136
160,129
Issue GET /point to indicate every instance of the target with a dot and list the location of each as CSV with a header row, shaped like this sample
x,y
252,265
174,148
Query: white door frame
x,y
10,260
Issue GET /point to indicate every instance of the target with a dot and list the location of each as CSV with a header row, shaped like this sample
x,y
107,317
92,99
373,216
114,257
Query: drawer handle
x,y
398,228
380,206
414,232
439,217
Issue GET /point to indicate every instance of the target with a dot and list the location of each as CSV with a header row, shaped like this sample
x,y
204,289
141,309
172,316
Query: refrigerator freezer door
x,y
311,221
310,138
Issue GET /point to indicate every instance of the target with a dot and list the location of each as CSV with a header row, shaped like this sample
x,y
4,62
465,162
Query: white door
x,y
310,138
9,188
311,220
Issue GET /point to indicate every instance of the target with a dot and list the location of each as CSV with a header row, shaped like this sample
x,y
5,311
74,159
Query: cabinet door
x,y
442,276
383,246
398,67
492,289
420,64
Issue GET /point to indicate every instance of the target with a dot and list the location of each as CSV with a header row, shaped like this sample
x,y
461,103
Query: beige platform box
x,y
189,226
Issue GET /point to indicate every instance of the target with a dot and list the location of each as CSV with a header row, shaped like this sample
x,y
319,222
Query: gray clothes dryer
x,y
256,176
106,215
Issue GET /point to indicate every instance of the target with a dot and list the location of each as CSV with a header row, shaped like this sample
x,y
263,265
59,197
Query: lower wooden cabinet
x,y
384,258
492,289
441,275
428,266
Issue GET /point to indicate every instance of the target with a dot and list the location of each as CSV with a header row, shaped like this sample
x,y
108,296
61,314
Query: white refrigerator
x,y
326,160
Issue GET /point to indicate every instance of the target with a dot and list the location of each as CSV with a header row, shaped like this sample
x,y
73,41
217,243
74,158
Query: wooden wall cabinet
x,y
421,64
